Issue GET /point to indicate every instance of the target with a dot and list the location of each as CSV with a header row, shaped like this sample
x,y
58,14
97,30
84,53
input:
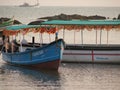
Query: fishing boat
x,y
27,5
30,55
95,53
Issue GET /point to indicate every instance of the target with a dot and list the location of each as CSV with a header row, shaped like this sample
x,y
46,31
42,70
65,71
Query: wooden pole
x,y
33,40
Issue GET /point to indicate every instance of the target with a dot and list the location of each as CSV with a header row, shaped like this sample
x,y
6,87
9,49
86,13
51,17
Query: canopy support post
x,y
64,33
74,37
100,36
96,37
82,37
33,40
12,37
21,49
40,37
107,36
49,38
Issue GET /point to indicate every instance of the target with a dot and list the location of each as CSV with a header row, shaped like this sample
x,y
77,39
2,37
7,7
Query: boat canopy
x,y
80,25
18,27
7,23
15,29
84,24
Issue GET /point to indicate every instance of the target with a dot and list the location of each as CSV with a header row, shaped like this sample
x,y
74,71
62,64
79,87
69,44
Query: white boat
x,y
92,53
27,5
102,53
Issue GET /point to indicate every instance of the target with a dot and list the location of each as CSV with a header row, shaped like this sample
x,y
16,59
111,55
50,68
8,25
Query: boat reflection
x,y
24,76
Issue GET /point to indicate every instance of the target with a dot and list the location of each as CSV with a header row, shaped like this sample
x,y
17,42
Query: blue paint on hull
x,y
48,53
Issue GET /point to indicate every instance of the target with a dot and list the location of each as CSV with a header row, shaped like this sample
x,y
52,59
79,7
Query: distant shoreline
x,y
63,17
30,14
70,6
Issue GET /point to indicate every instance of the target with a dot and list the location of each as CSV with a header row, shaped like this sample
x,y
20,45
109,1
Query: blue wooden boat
x,y
46,57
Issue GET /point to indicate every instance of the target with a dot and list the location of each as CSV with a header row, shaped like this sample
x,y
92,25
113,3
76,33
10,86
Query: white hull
x,y
103,56
92,53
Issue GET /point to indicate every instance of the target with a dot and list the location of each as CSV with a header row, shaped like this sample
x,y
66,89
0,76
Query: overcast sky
x,y
106,3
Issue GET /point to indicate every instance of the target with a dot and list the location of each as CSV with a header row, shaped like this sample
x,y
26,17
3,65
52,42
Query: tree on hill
x,y
119,16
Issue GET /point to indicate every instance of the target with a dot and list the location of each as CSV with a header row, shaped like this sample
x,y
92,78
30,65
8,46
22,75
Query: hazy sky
x,y
114,3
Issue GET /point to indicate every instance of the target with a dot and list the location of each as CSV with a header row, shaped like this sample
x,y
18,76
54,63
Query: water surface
x,y
70,76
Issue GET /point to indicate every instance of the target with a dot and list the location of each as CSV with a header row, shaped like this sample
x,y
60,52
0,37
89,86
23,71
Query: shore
x,y
61,17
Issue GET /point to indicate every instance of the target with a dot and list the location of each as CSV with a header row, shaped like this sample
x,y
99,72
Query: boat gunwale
x,y
104,47
32,50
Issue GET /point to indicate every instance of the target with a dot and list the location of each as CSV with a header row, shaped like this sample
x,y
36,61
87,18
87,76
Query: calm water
x,y
70,76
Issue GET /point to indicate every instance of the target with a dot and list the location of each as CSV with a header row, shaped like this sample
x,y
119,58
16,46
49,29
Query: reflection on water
x,y
70,76
23,78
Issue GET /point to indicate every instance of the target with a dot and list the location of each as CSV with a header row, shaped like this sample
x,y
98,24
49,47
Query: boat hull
x,y
47,57
94,54
51,65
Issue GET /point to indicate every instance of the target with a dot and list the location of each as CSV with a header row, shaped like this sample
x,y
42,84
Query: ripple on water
x,y
70,76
